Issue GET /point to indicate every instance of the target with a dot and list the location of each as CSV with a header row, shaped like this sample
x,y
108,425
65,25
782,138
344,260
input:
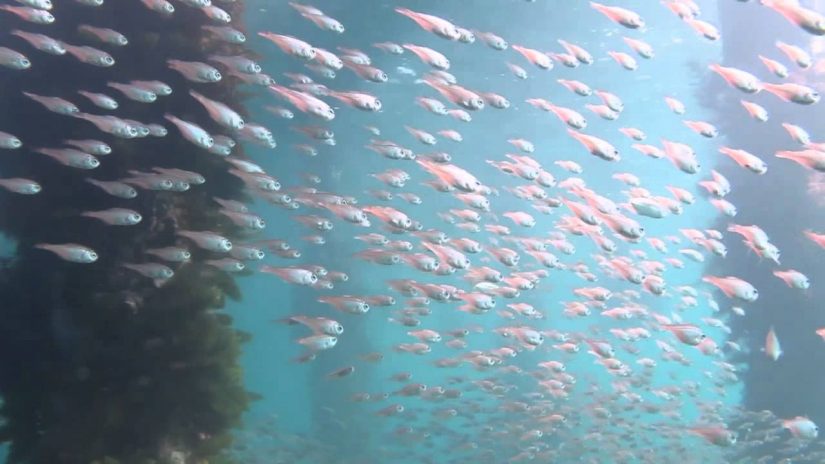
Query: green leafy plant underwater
x,y
97,364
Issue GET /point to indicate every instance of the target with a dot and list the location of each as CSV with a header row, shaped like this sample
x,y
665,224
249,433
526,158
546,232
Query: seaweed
x,y
97,364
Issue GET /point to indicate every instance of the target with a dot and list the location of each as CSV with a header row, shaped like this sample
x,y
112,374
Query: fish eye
x,y
136,217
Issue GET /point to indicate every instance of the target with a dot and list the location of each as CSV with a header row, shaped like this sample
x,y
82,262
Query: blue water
x,y
518,411
296,393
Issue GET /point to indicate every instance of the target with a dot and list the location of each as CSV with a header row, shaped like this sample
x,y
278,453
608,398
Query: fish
x,y
115,216
552,308
807,19
21,186
619,15
433,24
772,347
32,15
70,252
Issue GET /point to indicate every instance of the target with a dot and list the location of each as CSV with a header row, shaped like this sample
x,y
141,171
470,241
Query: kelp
x,y
97,364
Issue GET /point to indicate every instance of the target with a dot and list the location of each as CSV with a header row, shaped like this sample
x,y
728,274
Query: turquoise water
x,y
696,404
298,394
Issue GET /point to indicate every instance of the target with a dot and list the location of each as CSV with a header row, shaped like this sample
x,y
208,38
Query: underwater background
x,y
100,363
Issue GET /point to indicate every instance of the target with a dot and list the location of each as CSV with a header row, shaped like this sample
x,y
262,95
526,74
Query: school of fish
x,y
478,258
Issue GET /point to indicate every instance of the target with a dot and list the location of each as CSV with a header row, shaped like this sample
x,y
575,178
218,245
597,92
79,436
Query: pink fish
x,y
795,54
819,239
429,56
794,93
459,95
702,128
733,287
772,347
596,146
717,435
291,45
747,160
805,18
618,15
755,111
438,26
537,58
32,15
642,48
305,102
293,275
742,80
811,159
777,68
703,28
686,333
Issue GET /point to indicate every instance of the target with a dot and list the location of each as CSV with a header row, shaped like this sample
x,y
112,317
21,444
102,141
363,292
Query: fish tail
x,y
404,11
291,320
767,86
